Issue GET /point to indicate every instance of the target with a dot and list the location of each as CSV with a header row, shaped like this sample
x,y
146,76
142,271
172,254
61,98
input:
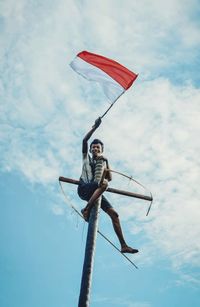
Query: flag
x,y
112,76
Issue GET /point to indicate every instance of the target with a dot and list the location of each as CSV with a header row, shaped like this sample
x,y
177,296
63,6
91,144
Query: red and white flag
x,y
112,76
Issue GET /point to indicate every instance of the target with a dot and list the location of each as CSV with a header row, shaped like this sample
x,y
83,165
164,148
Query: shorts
x,y
85,191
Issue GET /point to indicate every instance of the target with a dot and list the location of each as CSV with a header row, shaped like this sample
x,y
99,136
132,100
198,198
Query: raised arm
x,y
89,134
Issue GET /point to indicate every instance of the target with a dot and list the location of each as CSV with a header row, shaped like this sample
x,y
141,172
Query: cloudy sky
x,y
152,134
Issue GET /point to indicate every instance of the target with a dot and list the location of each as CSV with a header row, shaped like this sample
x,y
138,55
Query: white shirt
x,y
86,175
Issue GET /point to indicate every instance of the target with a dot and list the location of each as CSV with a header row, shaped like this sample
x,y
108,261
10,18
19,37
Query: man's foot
x,y
128,249
86,214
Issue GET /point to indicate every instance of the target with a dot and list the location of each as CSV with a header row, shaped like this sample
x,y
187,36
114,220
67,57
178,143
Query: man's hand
x,y
97,123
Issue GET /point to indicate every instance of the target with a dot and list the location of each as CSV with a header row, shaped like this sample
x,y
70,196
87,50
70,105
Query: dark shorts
x,y
85,191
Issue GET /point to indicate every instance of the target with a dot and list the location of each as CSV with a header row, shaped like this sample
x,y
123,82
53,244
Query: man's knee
x,y
104,184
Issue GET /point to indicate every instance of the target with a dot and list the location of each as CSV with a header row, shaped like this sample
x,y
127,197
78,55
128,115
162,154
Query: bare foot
x,y
128,249
86,214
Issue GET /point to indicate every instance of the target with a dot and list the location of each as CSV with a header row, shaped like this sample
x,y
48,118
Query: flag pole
x,y
112,105
107,110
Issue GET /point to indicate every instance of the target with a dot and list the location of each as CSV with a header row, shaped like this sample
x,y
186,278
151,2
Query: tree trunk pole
x,y
84,297
86,281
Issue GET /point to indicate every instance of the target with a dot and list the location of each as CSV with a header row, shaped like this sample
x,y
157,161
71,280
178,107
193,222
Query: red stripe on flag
x,y
119,73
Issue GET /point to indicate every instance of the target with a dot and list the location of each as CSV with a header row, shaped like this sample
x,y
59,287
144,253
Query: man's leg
x,y
118,230
97,193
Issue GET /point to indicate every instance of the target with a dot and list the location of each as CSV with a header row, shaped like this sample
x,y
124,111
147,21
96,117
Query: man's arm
x,y
89,134
108,173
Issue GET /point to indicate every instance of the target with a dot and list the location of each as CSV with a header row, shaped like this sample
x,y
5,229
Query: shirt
x,y
89,169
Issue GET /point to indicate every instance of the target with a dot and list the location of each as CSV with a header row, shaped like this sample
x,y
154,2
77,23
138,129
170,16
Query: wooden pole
x,y
111,190
86,281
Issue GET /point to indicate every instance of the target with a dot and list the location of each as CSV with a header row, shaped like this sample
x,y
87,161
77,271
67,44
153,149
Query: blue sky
x,y
152,134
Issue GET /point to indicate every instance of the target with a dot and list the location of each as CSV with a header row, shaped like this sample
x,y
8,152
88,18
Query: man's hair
x,y
97,141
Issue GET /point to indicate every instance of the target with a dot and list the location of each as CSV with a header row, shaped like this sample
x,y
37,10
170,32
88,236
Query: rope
x,y
137,182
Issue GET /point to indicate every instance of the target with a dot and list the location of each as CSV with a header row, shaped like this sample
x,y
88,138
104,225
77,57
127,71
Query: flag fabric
x,y
112,76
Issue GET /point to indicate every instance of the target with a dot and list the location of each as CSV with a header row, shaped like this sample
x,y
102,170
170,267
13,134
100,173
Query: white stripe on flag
x,y
111,88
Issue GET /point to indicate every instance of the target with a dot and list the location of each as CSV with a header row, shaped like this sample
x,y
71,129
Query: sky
x,y
151,134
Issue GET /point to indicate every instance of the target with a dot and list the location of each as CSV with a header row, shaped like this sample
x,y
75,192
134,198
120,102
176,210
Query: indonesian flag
x,y
112,76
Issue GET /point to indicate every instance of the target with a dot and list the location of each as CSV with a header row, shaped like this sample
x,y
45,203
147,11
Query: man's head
x,y
96,147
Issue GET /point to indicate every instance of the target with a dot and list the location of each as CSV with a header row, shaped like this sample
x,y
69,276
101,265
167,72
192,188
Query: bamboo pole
x,y
111,190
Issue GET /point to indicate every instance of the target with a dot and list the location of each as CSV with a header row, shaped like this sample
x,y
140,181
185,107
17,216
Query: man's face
x,y
96,150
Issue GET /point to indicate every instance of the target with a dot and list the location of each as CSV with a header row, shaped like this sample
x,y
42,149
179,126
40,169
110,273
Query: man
x,y
90,189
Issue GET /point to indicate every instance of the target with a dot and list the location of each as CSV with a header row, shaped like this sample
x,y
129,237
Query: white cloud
x,y
152,133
